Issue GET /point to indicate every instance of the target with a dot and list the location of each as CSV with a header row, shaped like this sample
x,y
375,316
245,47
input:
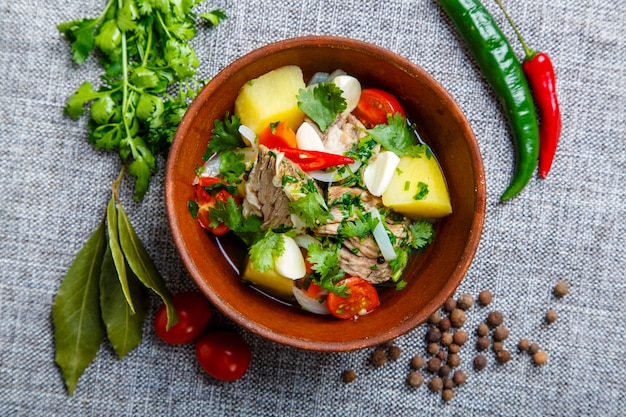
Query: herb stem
x,y
115,187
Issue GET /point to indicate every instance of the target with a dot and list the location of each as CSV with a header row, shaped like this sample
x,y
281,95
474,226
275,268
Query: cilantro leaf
x,y
230,213
322,104
361,226
263,252
422,233
395,136
232,166
80,34
225,136
214,16
311,207
325,262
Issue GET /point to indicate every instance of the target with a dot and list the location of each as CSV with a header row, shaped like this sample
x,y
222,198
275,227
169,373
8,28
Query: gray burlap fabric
x,y
54,187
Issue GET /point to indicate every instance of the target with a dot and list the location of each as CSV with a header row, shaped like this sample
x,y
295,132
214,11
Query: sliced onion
x,y
318,77
382,238
310,304
334,175
304,241
249,136
212,167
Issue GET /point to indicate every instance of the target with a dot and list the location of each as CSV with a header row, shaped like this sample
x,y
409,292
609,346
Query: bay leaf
x,y
141,264
123,325
78,327
116,251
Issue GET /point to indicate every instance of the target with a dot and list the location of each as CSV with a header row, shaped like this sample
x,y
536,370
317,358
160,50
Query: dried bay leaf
x,y
141,264
78,327
116,251
123,326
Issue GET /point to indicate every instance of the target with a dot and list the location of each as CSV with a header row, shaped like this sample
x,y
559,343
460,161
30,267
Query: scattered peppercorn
x,y
435,384
432,348
449,305
454,348
417,362
444,371
348,376
561,289
498,346
448,383
433,365
444,324
447,394
540,357
415,379
480,362
457,318
485,297
441,355
459,377
394,352
433,335
435,318
503,357
495,318
446,339
551,316
379,358
482,344
460,337
501,333
482,329
465,302
523,345
533,348
454,360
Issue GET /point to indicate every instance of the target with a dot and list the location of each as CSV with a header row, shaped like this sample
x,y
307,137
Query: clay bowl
x,y
432,277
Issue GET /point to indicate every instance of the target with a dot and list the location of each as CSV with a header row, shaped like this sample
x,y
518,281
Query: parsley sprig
x,y
145,51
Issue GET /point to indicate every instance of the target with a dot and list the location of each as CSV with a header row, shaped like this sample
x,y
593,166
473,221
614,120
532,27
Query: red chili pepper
x,y
314,160
540,74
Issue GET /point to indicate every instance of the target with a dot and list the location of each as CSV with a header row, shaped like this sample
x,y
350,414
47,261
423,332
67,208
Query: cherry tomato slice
x,y
374,106
206,201
194,315
362,299
224,355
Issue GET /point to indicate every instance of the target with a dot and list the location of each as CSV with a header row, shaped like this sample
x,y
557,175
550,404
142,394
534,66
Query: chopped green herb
x,y
422,191
322,103
225,136
407,185
192,205
422,234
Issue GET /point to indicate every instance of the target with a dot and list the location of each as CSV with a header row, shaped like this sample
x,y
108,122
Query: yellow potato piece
x,y
404,185
270,282
271,98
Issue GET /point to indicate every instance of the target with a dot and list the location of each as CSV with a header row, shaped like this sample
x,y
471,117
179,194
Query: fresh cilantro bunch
x,y
149,66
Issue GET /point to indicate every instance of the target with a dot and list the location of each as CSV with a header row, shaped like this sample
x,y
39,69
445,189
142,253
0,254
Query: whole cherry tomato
x,y
362,299
223,354
194,316
374,106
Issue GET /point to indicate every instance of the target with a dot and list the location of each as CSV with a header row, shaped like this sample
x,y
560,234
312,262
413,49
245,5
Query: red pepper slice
x,y
206,201
314,160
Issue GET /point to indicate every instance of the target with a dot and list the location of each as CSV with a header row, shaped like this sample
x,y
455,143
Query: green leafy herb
x,y
325,262
396,136
312,209
422,191
422,234
146,55
361,226
232,167
78,327
225,136
263,252
247,228
116,253
123,325
322,103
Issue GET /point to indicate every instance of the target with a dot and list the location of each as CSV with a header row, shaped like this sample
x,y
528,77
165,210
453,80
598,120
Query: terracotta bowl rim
x,y
470,248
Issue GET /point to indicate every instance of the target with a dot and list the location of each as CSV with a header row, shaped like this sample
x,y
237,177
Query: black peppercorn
x,y
394,352
495,319
348,376
523,345
433,365
448,383
449,305
482,329
444,371
485,297
433,335
498,346
465,302
435,384
457,318
503,357
500,334
415,379
435,318
561,289
540,357
454,360
446,339
441,355
379,358
551,316
447,394
454,348
444,324
482,344
460,337
480,362
459,377
533,348
417,362
432,348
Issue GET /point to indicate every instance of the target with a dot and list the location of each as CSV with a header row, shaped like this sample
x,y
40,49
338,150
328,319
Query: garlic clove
x,y
377,175
290,264
351,88
308,139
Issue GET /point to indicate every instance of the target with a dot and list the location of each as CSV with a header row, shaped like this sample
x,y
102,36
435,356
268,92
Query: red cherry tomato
x,y
374,106
362,299
224,355
194,316
207,201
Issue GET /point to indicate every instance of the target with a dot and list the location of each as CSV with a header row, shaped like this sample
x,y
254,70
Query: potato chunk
x,y
402,193
271,98
270,281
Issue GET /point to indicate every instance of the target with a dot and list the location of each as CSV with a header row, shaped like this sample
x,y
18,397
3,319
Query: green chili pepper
x,y
504,73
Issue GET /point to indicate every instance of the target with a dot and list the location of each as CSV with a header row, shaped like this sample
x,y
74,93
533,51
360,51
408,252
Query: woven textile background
x,y
54,187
